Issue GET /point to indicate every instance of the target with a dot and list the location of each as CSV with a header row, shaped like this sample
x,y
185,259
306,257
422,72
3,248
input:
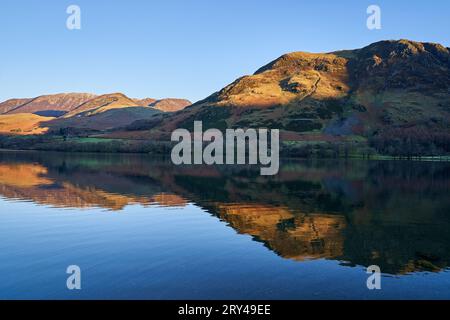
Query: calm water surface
x,y
144,229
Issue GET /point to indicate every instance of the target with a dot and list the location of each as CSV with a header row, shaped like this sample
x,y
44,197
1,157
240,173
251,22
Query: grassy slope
x,y
22,124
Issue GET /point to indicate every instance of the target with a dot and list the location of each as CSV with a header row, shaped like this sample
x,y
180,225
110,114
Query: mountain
x,y
12,104
165,105
80,111
382,66
144,102
101,104
170,104
70,104
63,102
389,89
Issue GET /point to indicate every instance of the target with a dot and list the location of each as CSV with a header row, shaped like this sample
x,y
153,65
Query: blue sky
x,y
188,48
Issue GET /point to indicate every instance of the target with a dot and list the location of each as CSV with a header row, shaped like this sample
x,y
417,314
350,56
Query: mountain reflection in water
x,y
389,213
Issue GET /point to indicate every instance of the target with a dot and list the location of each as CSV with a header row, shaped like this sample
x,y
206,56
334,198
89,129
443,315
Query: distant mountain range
x,y
78,102
80,111
58,103
391,97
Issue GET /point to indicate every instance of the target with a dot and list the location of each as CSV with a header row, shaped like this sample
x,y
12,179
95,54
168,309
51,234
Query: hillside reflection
x,y
392,214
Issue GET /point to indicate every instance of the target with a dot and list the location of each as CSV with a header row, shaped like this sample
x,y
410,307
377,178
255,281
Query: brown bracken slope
x,y
389,88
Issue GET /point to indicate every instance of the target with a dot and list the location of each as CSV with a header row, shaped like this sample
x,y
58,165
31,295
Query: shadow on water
x,y
389,213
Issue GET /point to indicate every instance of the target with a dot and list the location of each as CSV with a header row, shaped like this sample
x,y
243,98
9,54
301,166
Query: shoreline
x,y
353,157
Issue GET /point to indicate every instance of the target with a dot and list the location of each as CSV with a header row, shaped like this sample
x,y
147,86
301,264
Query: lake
x,y
141,228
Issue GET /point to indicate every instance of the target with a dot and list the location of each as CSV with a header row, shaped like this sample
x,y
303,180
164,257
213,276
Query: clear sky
x,y
185,48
